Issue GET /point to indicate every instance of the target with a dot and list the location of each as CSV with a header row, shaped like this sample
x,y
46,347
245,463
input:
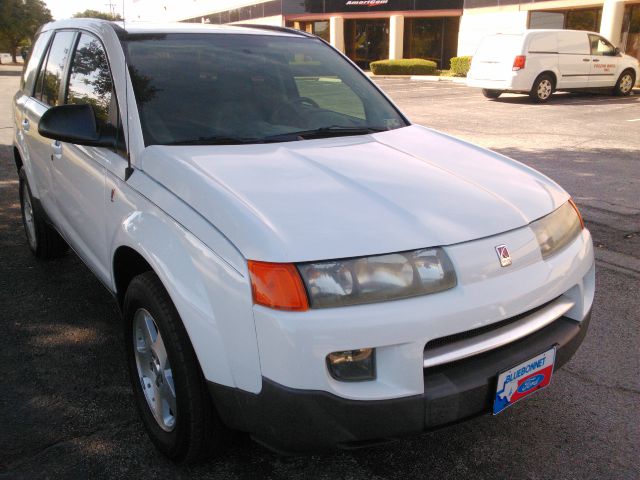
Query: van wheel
x,y
493,94
44,241
625,83
542,88
168,385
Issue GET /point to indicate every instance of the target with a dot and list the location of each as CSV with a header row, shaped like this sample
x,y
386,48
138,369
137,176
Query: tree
x,y
97,14
19,21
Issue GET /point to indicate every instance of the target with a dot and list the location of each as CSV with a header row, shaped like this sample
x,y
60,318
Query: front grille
x,y
456,337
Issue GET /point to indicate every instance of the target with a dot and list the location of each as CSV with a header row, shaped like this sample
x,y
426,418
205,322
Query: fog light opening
x,y
353,365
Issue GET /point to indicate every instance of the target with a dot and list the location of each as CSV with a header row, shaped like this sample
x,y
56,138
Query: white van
x,y
539,62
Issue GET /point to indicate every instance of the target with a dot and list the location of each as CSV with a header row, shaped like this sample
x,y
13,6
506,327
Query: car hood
x,y
350,196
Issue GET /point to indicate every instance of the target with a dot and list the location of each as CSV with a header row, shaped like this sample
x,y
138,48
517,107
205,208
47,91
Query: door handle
x,y
25,125
586,59
56,148
596,60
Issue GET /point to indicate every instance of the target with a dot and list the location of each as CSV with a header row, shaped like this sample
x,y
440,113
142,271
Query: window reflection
x,y
90,80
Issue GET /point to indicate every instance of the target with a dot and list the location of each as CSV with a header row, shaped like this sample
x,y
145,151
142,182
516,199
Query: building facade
x,y
368,30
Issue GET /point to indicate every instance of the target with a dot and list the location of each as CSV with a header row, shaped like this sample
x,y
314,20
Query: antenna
x,y
129,170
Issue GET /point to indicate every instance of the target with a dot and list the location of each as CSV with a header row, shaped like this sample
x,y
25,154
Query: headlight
x,y
558,229
377,279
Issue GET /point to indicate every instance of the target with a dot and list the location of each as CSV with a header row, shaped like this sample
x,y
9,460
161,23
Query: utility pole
x,y
112,8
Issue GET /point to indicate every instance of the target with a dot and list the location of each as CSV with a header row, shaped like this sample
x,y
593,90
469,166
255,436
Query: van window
x,y
497,47
600,46
50,77
90,80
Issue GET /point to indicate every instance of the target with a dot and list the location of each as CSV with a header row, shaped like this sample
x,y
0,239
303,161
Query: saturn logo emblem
x,y
503,255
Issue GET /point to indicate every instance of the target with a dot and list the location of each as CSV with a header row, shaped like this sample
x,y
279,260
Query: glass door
x,y
367,41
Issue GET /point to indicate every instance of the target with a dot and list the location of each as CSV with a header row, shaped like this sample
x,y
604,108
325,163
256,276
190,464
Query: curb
x,y
419,78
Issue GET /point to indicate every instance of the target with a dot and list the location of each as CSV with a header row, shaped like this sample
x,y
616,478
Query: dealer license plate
x,y
524,379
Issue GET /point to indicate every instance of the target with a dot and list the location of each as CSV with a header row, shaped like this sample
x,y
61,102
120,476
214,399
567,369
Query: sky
x,y
61,9
66,8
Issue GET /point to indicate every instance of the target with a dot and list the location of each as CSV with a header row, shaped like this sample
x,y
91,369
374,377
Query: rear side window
x,y
599,46
35,58
90,80
52,72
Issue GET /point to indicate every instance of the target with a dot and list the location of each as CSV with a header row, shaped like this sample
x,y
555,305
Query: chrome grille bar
x,y
497,338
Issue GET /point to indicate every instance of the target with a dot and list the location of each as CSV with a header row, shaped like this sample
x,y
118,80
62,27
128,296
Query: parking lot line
x,y
634,120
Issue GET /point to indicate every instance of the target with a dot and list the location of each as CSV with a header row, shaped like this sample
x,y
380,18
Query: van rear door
x,y
494,58
574,59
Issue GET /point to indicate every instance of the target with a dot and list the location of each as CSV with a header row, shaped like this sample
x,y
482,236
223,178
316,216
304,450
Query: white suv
x,y
292,258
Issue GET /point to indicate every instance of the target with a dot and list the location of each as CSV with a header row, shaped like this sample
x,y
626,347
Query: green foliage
x,y
460,66
405,66
19,21
96,14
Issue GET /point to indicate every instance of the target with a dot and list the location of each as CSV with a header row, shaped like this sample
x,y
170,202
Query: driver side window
x,y
600,46
90,81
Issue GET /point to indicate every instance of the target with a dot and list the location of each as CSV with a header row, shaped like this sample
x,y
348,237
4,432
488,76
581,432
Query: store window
x,y
431,38
319,28
579,19
631,31
366,40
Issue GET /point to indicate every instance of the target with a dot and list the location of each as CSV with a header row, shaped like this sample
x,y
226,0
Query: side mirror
x,y
77,124
616,52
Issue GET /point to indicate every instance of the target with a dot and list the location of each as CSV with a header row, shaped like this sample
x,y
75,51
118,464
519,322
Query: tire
x,y
493,94
43,240
542,89
625,84
165,374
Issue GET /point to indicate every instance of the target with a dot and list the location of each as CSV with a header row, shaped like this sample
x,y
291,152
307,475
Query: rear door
x,y
78,172
574,59
22,99
47,92
494,58
604,62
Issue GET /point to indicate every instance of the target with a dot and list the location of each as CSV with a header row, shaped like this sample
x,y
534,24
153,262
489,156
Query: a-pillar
x,y
611,23
336,32
396,36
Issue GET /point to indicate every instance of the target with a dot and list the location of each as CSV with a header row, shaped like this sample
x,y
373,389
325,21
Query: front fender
x,y
212,297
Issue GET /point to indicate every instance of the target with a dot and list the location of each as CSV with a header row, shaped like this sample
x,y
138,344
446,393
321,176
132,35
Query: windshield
x,y
229,89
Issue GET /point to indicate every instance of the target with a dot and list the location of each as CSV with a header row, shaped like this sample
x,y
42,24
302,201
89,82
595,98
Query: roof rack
x,y
274,28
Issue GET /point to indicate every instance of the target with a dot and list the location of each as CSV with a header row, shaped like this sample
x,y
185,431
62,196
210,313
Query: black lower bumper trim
x,y
292,420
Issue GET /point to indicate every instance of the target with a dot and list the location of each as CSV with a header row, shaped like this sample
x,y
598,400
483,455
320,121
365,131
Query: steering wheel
x,y
291,109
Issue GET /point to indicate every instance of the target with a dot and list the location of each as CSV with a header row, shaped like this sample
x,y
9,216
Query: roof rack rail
x,y
274,28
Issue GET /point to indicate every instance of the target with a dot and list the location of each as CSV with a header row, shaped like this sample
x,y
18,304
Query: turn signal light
x,y
277,285
575,207
519,62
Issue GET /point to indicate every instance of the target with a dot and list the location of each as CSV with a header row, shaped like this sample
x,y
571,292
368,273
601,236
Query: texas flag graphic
x,y
524,379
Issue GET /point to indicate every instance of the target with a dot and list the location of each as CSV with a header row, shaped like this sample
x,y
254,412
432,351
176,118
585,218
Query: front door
x,y
604,62
79,172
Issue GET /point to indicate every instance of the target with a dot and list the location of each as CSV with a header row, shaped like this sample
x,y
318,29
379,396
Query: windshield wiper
x,y
216,140
323,132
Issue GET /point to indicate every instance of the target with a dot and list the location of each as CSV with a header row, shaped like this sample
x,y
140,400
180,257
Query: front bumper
x,y
295,420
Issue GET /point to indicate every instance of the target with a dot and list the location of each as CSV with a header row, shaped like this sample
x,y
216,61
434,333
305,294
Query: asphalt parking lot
x,y
67,409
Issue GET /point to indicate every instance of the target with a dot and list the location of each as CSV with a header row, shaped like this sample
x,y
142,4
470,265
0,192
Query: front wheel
x,y
542,88
168,385
492,94
625,84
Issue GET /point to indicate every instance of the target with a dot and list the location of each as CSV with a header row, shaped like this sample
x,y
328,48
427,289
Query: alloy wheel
x,y
154,370
29,221
544,89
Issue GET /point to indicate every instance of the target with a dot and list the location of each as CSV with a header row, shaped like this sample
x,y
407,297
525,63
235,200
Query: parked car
x,y
540,62
291,256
